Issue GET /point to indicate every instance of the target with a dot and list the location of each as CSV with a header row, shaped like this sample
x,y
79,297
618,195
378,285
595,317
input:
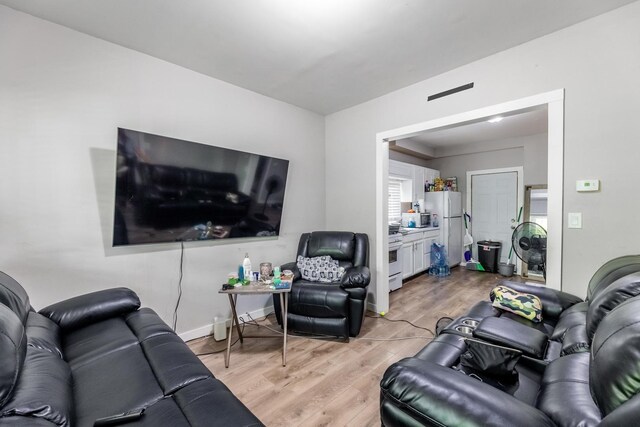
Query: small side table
x,y
252,289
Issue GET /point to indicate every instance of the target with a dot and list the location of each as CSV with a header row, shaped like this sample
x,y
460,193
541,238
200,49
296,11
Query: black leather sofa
x,y
99,355
333,309
167,194
590,377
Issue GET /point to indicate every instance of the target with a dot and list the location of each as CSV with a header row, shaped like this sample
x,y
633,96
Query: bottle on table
x,y
246,266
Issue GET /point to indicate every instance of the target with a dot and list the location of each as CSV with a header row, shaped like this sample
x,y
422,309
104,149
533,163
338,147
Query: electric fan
x,y
529,241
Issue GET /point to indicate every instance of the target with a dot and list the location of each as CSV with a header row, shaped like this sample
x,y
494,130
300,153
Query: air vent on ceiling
x,y
450,91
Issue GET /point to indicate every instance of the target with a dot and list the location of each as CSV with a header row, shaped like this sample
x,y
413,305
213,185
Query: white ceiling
x,y
522,124
322,55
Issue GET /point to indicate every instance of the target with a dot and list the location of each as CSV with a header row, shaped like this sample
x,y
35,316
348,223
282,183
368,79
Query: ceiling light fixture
x,y
495,120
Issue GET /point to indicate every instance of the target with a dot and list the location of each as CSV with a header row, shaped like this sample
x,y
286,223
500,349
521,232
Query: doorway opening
x,y
536,200
554,104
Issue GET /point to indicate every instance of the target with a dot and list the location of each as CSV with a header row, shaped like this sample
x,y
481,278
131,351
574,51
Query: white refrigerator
x,y
448,206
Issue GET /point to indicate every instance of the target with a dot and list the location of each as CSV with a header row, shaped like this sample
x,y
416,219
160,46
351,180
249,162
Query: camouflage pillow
x,y
525,305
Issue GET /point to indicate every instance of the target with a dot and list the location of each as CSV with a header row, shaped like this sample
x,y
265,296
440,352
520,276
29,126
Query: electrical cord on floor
x,y
402,320
175,310
254,322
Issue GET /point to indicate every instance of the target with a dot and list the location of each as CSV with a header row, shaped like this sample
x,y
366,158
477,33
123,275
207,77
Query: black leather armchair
x,y
335,309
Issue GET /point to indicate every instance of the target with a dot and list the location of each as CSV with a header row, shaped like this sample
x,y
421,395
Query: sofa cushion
x,y
615,351
318,300
13,348
197,400
339,245
92,342
173,364
118,382
43,333
572,316
522,304
14,296
145,323
43,390
606,300
565,392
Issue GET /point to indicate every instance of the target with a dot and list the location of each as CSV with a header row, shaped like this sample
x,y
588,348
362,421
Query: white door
x,y
494,209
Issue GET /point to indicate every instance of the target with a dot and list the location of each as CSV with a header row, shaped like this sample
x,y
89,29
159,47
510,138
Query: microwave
x,y
420,219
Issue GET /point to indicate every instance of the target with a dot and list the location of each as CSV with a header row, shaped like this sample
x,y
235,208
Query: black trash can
x,y
489,255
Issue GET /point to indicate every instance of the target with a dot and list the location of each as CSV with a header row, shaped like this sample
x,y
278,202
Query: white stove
x,y
395,261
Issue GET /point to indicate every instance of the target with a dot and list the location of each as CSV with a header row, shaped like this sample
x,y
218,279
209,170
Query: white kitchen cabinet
x,y
407,260
416,252
418,182
430,237
400,170
418,257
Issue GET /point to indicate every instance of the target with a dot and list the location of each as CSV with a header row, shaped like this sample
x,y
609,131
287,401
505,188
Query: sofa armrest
x,y
430,394
293,267
512,334
356,277
553,302
86,309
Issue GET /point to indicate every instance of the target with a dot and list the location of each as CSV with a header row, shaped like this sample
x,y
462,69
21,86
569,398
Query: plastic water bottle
x,y
246,266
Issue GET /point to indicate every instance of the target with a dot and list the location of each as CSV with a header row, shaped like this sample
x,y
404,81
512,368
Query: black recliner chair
x,y
333,309
581,371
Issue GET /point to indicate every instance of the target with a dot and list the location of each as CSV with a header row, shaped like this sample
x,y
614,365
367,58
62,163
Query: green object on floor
x,y
474,266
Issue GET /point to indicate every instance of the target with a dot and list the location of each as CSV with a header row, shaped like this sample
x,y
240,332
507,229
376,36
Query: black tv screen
x,y
170,190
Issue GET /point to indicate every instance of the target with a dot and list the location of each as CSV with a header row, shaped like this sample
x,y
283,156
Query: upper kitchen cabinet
x,y
420,176
412,179
400,170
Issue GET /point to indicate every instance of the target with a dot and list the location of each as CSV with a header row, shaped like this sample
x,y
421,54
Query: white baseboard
x,y
372,307
205,330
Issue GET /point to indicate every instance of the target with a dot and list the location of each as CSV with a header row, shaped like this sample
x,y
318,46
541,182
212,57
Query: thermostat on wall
x,y
588,185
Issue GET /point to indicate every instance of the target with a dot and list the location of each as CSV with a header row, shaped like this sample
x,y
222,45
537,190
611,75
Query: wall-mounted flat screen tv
x,y
170,190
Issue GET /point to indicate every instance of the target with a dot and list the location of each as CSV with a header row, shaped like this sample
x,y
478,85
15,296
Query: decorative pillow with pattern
x,y
320,269
526,305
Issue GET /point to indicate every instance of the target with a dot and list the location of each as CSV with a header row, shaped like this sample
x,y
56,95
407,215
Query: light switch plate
x,y
575,219
588,185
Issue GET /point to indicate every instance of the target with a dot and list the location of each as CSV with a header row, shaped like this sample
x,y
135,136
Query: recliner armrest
x,y
86,309
435,395
553,302
512,334
356,277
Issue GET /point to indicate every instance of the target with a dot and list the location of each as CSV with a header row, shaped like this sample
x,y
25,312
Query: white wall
x,y
597,65
62,96
530,152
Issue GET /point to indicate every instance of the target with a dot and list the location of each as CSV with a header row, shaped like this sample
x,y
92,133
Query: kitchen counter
x,y
417,230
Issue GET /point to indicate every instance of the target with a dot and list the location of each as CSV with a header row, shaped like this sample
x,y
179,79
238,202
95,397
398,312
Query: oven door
x,y
395,259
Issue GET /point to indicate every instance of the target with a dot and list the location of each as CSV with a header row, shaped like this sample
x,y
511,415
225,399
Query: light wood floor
x,y
332,383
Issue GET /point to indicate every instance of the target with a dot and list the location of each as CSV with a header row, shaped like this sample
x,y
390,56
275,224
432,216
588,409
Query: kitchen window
x,y
395,191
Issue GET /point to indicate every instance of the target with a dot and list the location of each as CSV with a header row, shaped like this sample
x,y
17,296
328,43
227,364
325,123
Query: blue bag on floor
x,y
439,265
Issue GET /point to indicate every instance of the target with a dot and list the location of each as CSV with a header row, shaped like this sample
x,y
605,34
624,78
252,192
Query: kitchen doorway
x,y
554,103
